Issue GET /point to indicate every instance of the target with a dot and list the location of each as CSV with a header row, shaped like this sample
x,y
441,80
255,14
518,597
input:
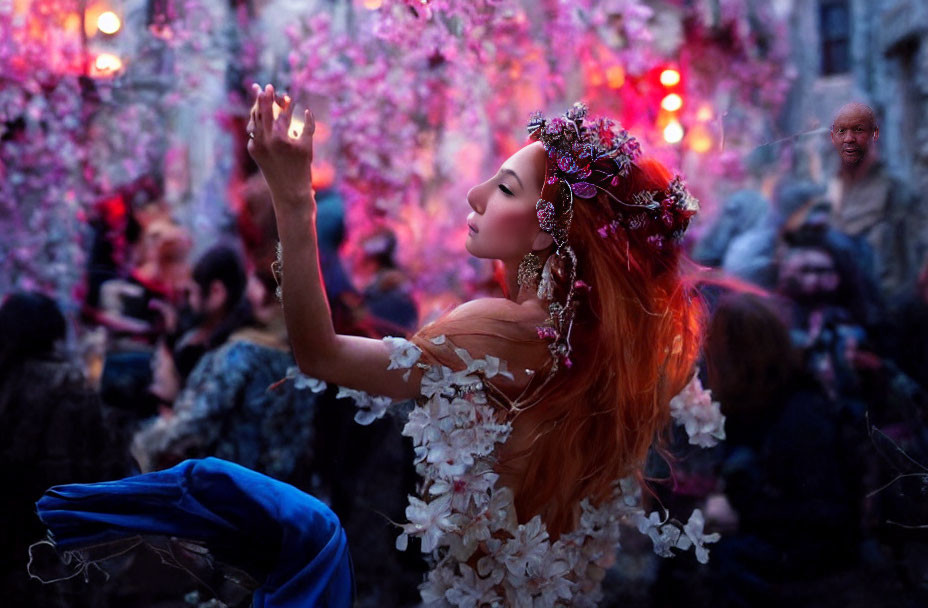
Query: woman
x,y
531,408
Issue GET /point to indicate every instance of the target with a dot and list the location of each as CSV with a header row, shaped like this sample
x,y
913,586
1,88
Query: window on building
x,y
835,34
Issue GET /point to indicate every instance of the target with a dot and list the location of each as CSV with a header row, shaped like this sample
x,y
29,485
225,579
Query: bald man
x,y
870,203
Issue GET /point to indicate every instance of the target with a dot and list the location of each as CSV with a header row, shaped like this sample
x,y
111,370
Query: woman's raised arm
x,y
286,162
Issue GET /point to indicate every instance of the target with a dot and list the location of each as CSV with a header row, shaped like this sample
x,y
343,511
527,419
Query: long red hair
x,y
635,340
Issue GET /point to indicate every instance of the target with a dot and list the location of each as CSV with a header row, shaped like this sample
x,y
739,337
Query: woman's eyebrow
x,y
512,173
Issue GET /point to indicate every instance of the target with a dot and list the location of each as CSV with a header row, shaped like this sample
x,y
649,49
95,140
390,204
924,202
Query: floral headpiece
x,y
585,157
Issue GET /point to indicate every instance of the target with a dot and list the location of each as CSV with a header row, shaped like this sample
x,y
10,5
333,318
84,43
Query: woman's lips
x,y
472,228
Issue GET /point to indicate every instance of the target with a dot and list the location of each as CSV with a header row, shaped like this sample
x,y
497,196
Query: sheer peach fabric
x,y
497,327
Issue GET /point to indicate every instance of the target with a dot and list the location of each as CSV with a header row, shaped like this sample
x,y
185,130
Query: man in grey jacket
x,y
870,203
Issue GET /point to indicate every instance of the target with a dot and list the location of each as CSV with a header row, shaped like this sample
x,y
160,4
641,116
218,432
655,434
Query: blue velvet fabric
x,y
281,536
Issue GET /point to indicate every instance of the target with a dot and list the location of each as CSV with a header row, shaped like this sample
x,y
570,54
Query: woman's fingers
x,y
309,127
286,112
266,110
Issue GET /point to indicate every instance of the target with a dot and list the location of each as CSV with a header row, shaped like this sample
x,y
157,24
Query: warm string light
x,y
109,23
670,77
672,102
106,64
673,132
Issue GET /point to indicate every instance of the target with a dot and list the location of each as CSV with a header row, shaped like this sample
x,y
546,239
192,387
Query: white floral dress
x,y
481,555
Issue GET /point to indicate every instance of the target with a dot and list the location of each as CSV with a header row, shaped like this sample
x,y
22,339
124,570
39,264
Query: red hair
x,y
636,337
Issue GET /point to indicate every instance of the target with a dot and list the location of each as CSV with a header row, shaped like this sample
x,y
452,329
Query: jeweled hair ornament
x,y
585,158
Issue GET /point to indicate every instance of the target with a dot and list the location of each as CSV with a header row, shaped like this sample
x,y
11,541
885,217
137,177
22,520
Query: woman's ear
x,y
542,241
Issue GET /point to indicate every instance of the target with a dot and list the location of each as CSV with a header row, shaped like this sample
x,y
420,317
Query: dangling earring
x,y
529,271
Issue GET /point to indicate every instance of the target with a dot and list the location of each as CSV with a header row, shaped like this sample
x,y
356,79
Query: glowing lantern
x,y
372,5
108,23
673,132
672,102
106,64
670,78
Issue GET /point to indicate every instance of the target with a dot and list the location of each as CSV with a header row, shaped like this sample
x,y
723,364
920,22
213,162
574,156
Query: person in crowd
x,y
387,298
217,308
117,221
344,300
910,324
137,312
870,202
751,255
51,431
228,409
786,470
841,326
744,211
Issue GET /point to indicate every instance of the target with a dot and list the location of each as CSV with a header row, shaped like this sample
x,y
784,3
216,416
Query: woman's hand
x,y
285,161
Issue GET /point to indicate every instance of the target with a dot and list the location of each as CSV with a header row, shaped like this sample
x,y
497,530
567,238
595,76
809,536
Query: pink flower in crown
x,y
555,125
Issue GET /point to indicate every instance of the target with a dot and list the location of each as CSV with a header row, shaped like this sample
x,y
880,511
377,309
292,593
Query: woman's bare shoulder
x,y
501,308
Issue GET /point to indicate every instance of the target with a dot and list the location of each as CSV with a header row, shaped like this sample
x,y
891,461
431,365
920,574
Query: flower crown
x,y
585,157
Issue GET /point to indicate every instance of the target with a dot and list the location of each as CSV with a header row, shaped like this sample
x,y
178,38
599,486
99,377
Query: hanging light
x,y
109,23
673,132
670,77
672,102
106,64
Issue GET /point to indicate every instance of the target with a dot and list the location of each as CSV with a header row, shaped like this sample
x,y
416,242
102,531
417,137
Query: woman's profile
x,y
534,412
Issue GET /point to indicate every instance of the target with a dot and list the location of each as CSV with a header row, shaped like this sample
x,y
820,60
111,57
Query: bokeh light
x,y
672,102
106,64
108,22
670,78
673,132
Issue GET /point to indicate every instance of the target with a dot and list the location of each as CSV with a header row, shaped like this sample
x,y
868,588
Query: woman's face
x,y
504,224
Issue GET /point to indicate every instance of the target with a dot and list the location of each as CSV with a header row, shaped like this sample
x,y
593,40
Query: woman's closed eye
x,y
505,189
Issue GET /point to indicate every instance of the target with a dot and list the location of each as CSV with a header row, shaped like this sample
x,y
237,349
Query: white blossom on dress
x,y
702,417
427,520
302,381
472,591
462,513
370,407
664,535
694,535
403,354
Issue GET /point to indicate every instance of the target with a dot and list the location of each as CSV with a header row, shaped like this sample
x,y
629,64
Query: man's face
x,y
808,274
852,134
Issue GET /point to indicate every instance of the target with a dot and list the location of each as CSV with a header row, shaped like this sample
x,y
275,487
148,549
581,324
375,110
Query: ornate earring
x,y
529,271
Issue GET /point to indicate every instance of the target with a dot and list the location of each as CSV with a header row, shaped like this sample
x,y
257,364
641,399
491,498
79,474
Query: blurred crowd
x,y
816,348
